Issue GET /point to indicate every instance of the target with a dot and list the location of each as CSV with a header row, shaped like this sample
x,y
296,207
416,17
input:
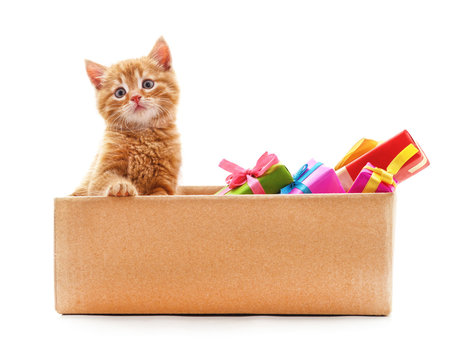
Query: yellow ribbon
x,y
359,149
386,176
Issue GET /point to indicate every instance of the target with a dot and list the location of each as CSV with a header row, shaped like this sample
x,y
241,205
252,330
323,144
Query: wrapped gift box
x,y
381,156
362,147
267,177
360,184
196,253
272,181
314,178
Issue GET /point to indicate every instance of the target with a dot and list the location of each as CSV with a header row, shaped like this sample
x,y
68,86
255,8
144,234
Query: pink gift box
x,y
364,177
314,178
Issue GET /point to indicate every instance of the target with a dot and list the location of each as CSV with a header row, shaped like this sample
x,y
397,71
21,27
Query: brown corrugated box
x,y
196,253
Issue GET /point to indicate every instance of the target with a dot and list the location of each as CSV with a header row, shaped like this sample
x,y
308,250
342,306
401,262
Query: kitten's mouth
x,y
139,108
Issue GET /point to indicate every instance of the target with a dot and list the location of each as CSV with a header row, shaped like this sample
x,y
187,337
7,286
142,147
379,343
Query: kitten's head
x,y
139,93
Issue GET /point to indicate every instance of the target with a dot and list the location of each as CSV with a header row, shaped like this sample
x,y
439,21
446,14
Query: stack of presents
x,y
370,166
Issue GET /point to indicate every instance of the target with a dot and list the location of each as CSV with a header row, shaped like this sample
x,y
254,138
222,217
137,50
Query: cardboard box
x,y
203,254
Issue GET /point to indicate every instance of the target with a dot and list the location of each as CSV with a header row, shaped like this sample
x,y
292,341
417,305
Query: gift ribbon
x,y
240,176
298,179
386,176
360,148
420,164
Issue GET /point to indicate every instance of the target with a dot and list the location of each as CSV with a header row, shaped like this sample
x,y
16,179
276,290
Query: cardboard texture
x,y
202,254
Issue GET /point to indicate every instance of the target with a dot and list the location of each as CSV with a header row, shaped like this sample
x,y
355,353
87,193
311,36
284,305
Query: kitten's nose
x,y
136,98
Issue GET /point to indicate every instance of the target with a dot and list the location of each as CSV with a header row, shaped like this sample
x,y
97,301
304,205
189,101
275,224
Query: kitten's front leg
x,y
111,184
160,191
108,178
166,184
122,187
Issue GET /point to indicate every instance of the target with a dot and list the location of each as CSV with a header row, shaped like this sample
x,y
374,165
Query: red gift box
x,y
381,156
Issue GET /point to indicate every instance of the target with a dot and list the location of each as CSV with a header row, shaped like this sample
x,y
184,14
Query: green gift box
x,y
267,177
274,179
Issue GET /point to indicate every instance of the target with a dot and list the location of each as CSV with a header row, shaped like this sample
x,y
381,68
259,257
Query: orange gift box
x,y
195,253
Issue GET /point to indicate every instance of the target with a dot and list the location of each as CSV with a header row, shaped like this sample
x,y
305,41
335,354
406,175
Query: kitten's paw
x,y
121,189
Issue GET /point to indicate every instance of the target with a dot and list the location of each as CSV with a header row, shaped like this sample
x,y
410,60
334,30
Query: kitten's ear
x,y
95,73
161,53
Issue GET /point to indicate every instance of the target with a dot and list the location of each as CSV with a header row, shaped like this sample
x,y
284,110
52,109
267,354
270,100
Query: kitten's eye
x,y
120,92
148,84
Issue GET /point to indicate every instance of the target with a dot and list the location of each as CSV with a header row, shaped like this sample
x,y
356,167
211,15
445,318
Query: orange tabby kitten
x,y
140,154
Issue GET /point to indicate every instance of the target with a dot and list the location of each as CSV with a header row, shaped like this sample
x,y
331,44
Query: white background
x,y
301,79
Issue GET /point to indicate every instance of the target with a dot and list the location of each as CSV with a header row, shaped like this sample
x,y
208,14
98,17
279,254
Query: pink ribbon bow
x,y
239,176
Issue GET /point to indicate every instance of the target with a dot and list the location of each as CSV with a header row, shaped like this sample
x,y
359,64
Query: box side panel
x,y
307,254
198,190
57,239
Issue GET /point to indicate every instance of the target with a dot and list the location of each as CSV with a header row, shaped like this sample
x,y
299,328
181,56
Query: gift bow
x,y
240,176
378,175
300,176
386,176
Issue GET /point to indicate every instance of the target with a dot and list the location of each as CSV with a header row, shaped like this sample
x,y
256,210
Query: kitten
x,y
140,153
